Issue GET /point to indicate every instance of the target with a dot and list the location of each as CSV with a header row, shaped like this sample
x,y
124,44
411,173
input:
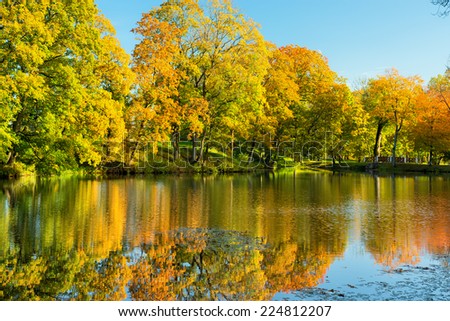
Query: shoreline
x,y
387,168
369,168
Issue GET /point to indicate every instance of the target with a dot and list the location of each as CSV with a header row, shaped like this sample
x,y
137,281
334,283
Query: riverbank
x,y
384,168
227,165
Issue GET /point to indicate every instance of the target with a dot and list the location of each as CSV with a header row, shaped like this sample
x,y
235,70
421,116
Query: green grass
x,y
344,166
163,162
353,166
413,168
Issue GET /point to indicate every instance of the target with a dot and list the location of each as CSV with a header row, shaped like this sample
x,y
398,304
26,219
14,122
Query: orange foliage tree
x,y
200,69
431,131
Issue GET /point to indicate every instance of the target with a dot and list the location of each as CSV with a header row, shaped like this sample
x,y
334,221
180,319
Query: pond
x,y
263,236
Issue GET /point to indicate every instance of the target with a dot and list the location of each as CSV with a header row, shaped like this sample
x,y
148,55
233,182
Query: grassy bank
x,y
217,162
413,168
347,166
351,166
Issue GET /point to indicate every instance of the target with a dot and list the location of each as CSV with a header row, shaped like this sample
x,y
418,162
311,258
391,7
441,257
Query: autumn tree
x,y
322,99
62,85
281,91
157,108
378,116
439,87
431,131
355,129
210,79
390,99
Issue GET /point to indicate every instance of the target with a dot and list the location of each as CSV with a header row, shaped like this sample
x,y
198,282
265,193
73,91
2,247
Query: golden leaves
x,y
392,96
199,67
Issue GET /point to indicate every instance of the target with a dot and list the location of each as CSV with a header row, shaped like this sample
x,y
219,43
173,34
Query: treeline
x,y
72,98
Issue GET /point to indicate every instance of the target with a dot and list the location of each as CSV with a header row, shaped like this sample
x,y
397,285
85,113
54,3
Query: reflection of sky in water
x,y
356,274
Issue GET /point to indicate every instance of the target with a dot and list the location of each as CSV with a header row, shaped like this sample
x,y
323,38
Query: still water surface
x,y
269,236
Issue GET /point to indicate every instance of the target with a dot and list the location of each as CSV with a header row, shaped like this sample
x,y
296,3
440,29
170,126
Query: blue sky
x,y
360,38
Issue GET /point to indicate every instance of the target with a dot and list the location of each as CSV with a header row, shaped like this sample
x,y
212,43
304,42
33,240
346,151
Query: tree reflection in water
x,y
189,264
209,238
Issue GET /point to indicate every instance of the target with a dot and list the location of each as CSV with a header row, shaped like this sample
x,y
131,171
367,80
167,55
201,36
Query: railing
x,y
388,159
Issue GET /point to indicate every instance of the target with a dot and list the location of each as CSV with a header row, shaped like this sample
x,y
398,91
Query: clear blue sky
x,y
360,38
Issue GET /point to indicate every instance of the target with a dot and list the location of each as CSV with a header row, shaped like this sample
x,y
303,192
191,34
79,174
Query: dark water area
x,y
267,236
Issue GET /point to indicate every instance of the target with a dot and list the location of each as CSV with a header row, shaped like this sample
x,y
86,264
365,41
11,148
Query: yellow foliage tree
x,y
390,99
200,68
62,84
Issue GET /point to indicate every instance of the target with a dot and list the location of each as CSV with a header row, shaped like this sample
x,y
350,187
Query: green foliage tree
x,y
356,133
323,100
62,82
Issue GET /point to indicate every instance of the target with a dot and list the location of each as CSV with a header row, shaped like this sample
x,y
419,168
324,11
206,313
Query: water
x,y
269,236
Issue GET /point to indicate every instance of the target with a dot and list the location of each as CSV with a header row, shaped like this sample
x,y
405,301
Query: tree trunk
x,y
377,147
107,146
11,157
251,154
431,156
194,148
232,144
268,159
201,155
133,153
277,146
176,143
207,146
394,147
